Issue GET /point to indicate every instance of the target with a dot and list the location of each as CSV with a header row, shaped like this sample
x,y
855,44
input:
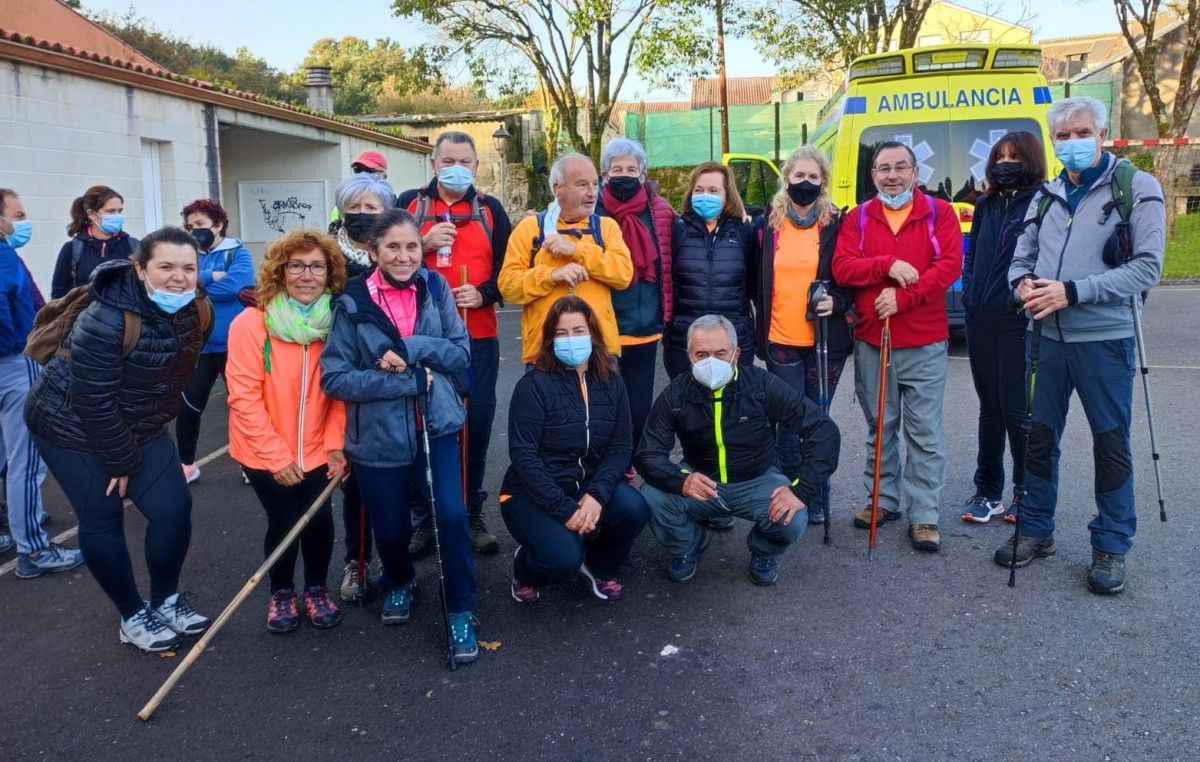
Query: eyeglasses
x,y
297,268
899,169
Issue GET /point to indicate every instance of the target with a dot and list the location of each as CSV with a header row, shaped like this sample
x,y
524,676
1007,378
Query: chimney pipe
x,y
320,89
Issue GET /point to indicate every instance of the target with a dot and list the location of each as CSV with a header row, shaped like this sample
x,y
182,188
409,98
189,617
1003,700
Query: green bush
x,y
1183,251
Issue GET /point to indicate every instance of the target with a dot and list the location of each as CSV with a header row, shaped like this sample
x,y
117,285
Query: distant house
x,y
947,23
79,107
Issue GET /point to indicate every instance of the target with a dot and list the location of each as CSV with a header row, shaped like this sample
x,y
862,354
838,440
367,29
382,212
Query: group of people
x,y
370,356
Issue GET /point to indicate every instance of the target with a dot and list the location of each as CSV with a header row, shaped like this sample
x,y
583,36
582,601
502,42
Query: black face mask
x,y
205,237
803,193
358,225
624,187
1008,174
398,283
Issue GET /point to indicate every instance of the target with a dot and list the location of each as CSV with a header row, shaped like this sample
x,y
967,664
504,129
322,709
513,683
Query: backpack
x,y
593,229
425,203
1122,202
53,324
77,253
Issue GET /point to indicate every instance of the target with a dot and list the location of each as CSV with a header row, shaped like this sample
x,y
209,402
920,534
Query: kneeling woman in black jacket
x,y
99,418
570,443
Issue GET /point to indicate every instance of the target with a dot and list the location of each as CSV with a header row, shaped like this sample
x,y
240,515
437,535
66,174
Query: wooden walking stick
x,y
885,348
198,649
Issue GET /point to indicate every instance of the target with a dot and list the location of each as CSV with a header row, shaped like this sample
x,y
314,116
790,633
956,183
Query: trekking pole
x,y
1035,346
819,292
437,540
197,650
362,551
466,405
885,347
1145,368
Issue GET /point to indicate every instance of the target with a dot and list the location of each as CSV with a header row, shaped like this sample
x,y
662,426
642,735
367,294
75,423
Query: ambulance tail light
x,y
945,60
966,214
878,67
1017,59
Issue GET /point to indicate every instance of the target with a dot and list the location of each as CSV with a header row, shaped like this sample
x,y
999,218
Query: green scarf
x,y
288,320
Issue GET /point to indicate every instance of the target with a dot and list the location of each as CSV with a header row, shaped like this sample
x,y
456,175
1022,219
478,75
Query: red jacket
x,y
862,263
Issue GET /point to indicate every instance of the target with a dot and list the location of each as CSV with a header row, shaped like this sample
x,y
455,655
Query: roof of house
x,y
461,117
1123,51
743,91
652,107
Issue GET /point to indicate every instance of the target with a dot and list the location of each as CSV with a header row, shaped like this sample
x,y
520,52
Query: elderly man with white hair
x,y
726,417
1092,244
567,249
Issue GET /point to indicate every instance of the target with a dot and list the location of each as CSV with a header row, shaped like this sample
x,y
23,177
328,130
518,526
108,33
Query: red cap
x,y
372,160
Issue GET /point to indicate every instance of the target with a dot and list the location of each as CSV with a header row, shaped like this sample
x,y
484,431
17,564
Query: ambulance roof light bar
x,y
943,60
876,67
1017,59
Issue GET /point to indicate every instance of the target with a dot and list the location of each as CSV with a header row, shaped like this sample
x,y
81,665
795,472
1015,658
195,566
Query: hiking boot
x,y
717,523
421,541
148,631
397,605
862,519
925,537
282,613
523,593
52,560
683,568
816,516
482,540
464,640
980,510
179,615
1107,573
764,569
321,609
6,542
352,588
1010,513
1028,548
604,589
191,472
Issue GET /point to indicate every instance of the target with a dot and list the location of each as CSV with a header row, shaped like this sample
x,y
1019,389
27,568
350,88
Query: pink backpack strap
x,y
931,226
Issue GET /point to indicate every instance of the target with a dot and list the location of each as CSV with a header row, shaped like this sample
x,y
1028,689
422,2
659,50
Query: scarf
x,y
634,231
288,320
808,220
351,252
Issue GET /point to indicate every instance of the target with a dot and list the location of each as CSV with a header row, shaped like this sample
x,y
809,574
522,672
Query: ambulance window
x,y
756,183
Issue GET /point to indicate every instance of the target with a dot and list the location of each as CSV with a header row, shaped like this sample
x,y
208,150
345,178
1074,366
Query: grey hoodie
x,y
1069,247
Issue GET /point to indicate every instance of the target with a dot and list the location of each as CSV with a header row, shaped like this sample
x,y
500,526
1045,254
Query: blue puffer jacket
x,y
714,273
381,429
231,257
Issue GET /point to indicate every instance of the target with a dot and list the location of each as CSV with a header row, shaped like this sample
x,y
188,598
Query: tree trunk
x,y
1165,161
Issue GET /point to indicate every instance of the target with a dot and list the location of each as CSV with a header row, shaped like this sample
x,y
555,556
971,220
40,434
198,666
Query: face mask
x,y
395,283
803,193
896,202
623,188
358,225
707,205
1008,173
456,179
22,232
712,372
169,301
573,351
1076,155
205,237
111,224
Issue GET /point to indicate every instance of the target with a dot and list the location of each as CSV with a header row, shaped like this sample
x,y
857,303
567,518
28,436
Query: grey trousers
x,y
26,470
916,382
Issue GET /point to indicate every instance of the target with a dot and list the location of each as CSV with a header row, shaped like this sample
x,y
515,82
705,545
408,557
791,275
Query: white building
x,y
78,108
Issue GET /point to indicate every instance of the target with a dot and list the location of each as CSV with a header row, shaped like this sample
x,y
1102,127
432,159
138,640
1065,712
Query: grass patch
x,y
1183,252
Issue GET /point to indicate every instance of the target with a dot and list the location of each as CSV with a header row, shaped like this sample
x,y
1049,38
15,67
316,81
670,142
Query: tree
x,y
1139,24
581,51
363,72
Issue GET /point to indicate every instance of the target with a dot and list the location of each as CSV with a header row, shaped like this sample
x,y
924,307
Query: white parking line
x,y
6,568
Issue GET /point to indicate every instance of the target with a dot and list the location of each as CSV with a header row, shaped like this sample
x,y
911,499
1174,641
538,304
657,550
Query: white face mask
x,y
712,373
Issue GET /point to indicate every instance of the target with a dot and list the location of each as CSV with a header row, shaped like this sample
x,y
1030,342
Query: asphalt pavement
x,y
908,656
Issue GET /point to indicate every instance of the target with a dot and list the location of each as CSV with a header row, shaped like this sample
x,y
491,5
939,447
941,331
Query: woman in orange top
x,y
799,236
282,428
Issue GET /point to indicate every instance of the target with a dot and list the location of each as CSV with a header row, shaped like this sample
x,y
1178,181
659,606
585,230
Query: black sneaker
x,y
1028,548
1107,574
482,540
421,541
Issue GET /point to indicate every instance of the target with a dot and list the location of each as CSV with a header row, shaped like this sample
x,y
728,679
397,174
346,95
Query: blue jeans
x,y
798,367
551,553
1101,372
387,494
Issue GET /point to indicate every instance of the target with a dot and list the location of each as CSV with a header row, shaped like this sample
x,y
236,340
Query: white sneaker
x,y
191,472
149,631
179,615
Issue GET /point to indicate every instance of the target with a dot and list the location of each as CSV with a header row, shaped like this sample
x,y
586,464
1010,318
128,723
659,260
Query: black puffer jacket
x,y
559,448
100,402
713,273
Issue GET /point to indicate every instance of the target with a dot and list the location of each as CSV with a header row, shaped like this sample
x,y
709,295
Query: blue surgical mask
x,y
573,351
22,232
169,301
707,205
111,224
1077,154
896,202
456,179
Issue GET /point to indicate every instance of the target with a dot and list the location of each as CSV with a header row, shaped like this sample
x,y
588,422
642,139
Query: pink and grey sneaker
x,y
321,609
604,589
524,593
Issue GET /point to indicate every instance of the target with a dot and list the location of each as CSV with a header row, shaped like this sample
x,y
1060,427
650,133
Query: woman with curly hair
x,y
283,429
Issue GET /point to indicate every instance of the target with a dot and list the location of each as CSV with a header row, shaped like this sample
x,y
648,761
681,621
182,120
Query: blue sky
x,y
282,31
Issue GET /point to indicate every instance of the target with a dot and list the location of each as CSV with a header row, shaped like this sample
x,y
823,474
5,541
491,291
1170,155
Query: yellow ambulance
x,y
949,103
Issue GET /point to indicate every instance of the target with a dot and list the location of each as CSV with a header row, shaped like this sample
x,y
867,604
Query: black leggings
x,y
195,397
284,507
159,492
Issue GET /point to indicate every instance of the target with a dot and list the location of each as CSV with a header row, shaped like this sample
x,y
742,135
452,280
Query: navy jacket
x,y
559,450
95,253
994,232
16,301
714,273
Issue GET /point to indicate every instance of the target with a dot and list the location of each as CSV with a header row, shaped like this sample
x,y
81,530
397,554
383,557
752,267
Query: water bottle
x,y
444,253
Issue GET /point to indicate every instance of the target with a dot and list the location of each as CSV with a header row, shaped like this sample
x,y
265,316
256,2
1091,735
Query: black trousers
x,y
284,507
193,402
996,350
